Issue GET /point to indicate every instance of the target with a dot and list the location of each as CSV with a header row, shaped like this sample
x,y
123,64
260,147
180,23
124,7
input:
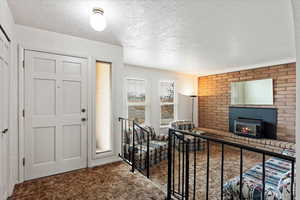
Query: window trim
x,y
174,103
127,104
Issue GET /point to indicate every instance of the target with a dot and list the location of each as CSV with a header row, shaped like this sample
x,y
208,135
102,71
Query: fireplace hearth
x,y
248,127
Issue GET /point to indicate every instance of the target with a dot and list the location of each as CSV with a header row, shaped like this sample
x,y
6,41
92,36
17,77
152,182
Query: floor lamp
x,y
193,102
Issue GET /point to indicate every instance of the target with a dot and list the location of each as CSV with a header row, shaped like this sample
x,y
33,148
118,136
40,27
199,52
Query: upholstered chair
x,y
188,126
185,125
158,147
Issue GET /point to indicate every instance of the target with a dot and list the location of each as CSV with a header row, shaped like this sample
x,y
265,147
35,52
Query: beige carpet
x,y
231,169
116,182
108,182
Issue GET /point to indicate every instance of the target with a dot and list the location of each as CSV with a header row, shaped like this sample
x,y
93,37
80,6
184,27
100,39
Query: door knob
x,y
83,119
83,110
5,130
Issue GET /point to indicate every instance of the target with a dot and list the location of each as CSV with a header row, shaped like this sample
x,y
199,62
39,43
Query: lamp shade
x,y
97,19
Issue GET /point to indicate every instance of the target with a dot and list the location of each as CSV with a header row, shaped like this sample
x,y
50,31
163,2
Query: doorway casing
x,y
93,159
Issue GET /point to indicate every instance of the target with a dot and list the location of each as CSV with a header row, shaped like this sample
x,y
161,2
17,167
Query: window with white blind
x,y
136,100
167,102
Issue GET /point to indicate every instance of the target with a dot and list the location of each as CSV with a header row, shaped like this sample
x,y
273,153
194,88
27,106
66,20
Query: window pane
x,y
103,111
167,114
137,113
136,91
167,92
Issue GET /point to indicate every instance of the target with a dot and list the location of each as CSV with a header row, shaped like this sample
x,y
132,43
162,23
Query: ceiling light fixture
x,y
97,19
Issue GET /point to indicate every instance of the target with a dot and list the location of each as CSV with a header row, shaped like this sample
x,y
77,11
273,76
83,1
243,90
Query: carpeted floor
x,y
231,169
116,182
108,182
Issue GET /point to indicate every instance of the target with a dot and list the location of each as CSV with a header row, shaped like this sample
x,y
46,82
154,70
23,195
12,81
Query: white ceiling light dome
x,y
97,19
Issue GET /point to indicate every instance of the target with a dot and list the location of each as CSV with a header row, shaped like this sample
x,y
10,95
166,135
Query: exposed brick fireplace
x,y
214,97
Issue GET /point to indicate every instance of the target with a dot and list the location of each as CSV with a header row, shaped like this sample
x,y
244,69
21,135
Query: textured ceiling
x,y
192,36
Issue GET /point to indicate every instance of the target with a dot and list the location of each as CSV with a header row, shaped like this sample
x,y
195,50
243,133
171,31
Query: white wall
x,y
184,85
296,8
6,18
7,21
31,38
57,42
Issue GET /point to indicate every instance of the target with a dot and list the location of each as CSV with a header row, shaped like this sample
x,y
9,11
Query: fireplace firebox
x,y
264,124
248,127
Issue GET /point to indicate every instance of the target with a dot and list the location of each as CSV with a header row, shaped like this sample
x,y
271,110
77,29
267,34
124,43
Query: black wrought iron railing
x,y
183,171
135,141
178,186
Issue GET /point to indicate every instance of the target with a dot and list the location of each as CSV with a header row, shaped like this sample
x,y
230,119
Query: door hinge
x,y
23,161
23,113
24,64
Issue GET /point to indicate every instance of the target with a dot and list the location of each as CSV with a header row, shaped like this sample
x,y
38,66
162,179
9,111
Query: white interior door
x,y
4,114
55,114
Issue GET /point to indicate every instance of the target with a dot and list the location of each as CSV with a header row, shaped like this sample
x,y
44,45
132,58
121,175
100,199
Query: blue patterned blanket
x,y
277,182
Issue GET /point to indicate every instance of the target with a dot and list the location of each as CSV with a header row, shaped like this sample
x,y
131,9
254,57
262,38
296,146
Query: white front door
x,y
4,114
55,114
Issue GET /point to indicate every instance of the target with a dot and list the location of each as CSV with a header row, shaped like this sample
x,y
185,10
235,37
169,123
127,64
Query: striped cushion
x,y
289,152
183,125
140,136
158,151
151,132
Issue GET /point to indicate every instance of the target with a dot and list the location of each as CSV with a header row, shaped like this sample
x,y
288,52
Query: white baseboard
x,y
104,161
11,189
92,163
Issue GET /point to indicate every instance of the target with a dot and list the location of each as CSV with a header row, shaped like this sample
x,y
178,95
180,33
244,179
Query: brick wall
x,y
214,97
